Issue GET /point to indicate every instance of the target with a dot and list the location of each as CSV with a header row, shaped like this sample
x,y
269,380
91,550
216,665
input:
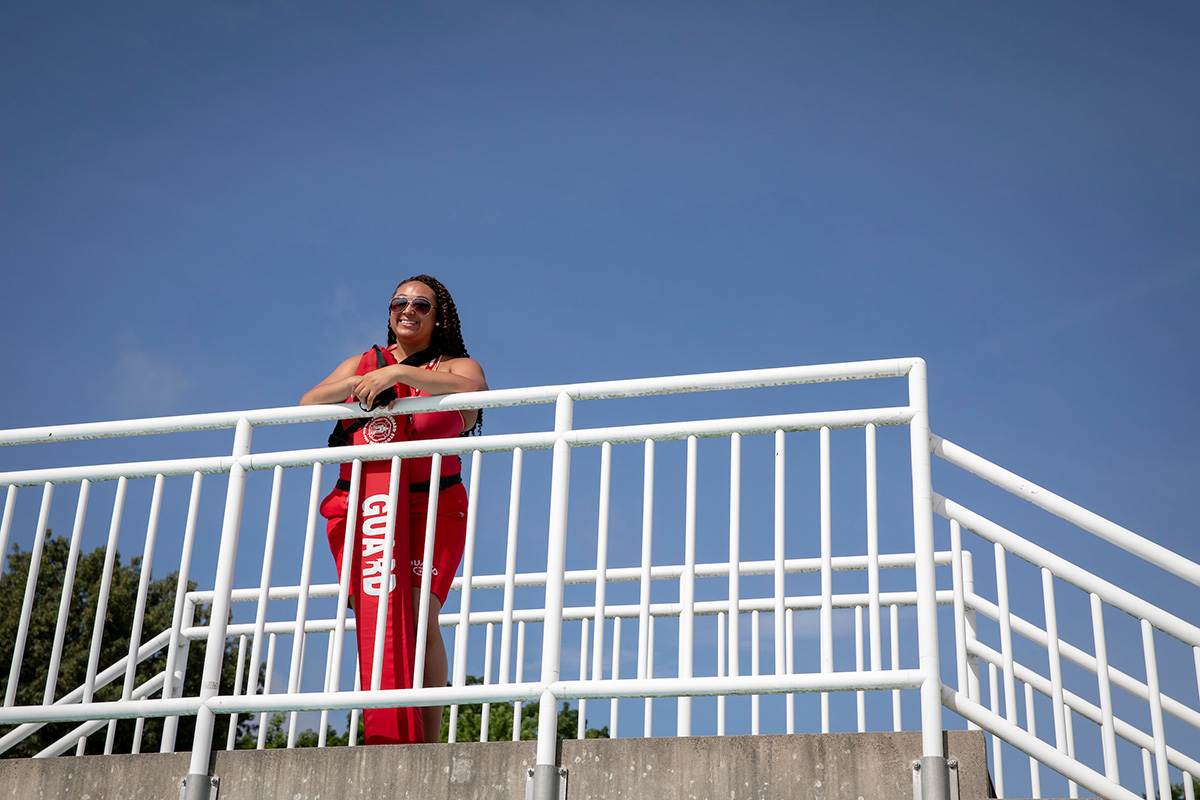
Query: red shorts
x,y
449,539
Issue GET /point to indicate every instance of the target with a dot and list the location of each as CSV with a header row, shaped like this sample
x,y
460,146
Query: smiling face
x,y
414,330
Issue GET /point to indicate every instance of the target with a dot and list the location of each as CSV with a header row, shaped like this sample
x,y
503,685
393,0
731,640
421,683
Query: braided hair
x,y
447,337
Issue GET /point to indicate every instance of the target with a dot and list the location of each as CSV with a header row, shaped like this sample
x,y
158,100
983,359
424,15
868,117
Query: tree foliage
x,y
500,721
118,624
1178,793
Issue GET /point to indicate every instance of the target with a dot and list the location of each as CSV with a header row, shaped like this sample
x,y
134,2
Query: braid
x,y
447,337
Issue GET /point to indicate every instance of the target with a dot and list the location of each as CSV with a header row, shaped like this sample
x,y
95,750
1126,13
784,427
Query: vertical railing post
x,y
601,581
971,633
35,563
935,776
873,551
1107,727
177,651
463,628
199,784
545,774
10,505
826,613
687,596
298,633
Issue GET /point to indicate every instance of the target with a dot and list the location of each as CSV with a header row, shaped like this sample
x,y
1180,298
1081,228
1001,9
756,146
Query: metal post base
x,y
935,778
546,782
197,786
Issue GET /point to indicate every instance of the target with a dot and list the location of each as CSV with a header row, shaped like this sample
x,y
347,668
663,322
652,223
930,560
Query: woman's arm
x,y
337,387
457,375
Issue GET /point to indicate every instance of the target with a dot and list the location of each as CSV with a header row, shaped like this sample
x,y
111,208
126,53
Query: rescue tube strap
x,y
343,429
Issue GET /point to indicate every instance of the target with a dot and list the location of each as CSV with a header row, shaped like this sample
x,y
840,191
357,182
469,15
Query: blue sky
x,y
204,207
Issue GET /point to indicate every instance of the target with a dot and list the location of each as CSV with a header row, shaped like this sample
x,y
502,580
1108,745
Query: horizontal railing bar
x,y
737,379
791,566
380,698
711,607
1076,576
612,575
207,465
742,685
569,690
459,445
585,437
184,423
1061,507
634,387
628,611
811,421
114,709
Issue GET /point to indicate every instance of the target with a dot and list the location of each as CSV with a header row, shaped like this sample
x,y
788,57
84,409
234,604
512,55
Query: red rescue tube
x,y
379,581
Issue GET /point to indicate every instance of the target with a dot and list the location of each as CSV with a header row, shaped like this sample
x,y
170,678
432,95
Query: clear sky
x,y
204,206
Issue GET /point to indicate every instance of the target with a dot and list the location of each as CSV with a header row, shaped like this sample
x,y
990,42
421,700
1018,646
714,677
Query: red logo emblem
x,y
380,430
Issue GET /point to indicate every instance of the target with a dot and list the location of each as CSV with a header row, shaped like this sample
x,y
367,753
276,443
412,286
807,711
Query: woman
x,y
426,354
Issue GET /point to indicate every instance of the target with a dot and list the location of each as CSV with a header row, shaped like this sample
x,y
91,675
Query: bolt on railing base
x,y
198,786
935,778
546,782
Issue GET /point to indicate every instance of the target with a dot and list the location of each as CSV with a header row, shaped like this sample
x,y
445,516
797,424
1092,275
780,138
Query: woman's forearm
x,y
328,392
438,382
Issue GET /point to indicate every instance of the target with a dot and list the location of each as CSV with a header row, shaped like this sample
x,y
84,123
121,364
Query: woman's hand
x,y
367,387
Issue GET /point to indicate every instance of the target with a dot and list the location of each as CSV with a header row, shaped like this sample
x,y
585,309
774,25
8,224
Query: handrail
x,y
458,446
1038,556
597,390
1047,500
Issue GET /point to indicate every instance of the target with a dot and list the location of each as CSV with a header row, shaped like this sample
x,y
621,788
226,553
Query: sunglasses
x,y
420,305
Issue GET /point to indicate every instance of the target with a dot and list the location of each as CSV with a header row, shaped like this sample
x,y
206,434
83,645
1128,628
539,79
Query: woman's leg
x,y
436,667
449,538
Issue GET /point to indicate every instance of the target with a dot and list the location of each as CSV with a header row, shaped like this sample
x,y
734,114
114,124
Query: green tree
x,y
1177,792
276,736
500,721
118,622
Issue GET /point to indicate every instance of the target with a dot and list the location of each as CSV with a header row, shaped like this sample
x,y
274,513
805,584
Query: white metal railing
x,y
1085,693
729,536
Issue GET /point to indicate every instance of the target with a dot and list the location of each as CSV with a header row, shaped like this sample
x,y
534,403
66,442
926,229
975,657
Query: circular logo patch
x,y
380,430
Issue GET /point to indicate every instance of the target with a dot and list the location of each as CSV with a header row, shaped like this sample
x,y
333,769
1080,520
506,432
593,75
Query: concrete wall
x,y
843,766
